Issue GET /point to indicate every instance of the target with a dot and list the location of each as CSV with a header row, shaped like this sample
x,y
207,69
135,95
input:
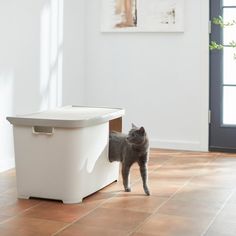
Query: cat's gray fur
x,y
129,149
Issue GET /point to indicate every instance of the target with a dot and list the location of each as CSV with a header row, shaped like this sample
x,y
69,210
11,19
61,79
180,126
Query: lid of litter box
x,y
68,116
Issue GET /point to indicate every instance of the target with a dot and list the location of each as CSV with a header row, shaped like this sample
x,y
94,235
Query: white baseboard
x,y
177,145
6,164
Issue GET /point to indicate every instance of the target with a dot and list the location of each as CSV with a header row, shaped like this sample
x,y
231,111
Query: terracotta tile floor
x,y
192,193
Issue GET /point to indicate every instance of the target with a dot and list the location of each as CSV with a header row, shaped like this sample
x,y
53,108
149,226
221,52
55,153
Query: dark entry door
x,y
223,80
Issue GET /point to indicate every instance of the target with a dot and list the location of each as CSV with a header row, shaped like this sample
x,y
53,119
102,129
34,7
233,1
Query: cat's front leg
x,y
144,175
126,177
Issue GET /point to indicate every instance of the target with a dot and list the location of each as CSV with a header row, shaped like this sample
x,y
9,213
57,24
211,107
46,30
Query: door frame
x,y
215,88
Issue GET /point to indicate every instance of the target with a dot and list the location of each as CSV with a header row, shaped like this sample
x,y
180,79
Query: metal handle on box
x,y
43,130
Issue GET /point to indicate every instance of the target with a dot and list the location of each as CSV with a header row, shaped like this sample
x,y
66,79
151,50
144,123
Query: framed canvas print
x,y
142,16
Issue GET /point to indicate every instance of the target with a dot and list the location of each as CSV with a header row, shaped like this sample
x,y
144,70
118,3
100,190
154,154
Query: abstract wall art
x,y
142,16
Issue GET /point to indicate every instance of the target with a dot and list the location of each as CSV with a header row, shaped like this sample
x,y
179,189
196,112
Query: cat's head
x,y
137,135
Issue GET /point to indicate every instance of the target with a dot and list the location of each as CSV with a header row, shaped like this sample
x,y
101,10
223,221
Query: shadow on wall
x,y
51,54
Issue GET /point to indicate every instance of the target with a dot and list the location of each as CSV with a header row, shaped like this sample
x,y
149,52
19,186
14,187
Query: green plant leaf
x,y
219,21
215,46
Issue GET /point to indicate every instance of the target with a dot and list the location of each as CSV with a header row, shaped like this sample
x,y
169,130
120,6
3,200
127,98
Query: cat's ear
x,y
134,126
142,130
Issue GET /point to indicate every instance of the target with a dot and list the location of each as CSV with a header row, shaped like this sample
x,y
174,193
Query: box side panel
x,y
67,165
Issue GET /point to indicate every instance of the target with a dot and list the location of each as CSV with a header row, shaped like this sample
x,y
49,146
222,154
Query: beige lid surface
x,y
68,116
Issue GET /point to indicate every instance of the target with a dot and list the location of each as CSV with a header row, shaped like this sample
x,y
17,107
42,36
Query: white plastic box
x,y
63,153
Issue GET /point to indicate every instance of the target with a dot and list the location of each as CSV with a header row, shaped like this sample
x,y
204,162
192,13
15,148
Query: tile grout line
x,y
178,190
155,169
102,203
74,221
218,212
38,204
19,214
140,225
161,165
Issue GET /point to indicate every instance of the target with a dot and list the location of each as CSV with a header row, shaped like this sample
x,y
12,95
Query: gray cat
x,y
129,149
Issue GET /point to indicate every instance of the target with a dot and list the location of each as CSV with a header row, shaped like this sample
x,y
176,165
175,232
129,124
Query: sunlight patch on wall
x,y
51,54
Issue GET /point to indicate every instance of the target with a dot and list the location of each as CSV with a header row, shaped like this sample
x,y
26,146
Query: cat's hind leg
x,y
144,175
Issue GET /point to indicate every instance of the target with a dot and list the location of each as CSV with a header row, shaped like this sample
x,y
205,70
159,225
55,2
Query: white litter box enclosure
x,y
63,153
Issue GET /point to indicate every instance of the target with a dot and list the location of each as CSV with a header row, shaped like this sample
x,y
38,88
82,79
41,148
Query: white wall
x,y
41,60
53,53
161,79
74,52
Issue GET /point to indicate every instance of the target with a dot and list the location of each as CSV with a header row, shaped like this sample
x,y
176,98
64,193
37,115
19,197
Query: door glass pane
x,y
229,32
229,3
229,105
229,65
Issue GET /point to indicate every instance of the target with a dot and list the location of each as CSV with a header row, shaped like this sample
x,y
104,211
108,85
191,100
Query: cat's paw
x,y
146,190
127,189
